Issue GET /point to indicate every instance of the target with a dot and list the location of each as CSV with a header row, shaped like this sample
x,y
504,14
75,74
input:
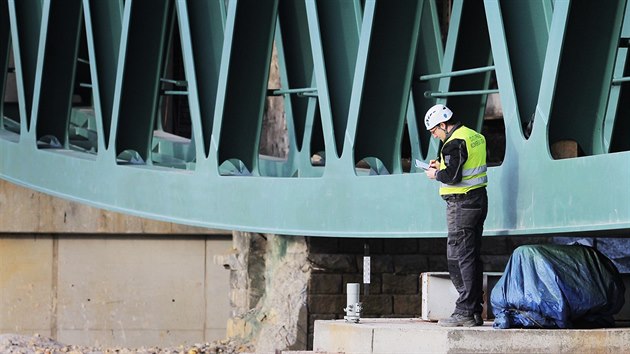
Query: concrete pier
x,y
388,336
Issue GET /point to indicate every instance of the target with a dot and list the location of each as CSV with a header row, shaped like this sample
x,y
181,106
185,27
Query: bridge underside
x,y
155,108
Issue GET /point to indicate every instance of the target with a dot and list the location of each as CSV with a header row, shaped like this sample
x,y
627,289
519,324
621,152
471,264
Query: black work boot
x,y
457,320
478,319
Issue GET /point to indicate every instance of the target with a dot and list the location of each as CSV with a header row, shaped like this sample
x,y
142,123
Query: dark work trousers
x,y
465,215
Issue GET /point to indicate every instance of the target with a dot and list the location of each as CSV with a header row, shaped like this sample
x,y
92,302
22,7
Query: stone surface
x,y
377,306
400,284
408,305
378,264
322,245
326,304
430,246
325,283
410,264
278,319
343,263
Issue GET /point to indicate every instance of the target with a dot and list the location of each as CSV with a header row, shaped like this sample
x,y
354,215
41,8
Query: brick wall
x,y
396,265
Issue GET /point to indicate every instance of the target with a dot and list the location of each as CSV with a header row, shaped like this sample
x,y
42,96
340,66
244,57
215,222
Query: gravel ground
x,y
37,344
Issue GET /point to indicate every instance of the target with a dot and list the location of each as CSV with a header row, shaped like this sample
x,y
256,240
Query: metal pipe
x,y
620,80
174,93
457,73
181,83
353,306
429,94
279,92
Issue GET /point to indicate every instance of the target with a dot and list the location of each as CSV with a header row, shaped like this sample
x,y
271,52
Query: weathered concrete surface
x,y
26,285
88,276
271,300
26,211
146,283
416,336
120,291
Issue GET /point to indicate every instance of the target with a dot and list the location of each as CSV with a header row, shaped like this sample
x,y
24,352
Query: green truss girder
x,y
354,74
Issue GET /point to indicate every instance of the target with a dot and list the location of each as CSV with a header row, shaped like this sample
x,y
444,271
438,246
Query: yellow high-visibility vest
x,y
474,169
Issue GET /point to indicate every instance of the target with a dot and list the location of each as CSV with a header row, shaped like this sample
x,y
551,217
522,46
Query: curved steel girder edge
x,y
407,205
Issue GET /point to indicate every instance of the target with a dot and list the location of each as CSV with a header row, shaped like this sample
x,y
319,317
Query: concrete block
x,y
129,286
130,337
439,295
214,334
402,336
217,281
115,291
405,340
311,326
340,336
26,285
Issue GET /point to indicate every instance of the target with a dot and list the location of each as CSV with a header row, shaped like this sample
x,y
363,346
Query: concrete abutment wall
x,y
86,276
132,291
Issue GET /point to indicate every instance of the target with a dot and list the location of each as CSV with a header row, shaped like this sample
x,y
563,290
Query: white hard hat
x,y
436,115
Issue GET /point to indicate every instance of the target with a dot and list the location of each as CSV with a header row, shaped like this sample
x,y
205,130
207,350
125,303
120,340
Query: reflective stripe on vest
x,y
474,169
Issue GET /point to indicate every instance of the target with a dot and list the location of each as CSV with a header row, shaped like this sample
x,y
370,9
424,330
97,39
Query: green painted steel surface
x,y
356,78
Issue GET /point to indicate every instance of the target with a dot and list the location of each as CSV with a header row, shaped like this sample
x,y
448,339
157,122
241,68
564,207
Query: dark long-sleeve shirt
x,y
455,155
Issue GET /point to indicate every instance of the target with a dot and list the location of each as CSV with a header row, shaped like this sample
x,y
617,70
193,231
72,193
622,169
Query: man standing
x,y
461,169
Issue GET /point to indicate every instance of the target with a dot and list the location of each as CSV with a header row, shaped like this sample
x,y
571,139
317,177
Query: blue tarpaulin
x,y
617,249
557,286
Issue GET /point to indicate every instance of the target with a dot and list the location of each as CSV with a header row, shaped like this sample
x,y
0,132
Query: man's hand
x,y
434,164
431,172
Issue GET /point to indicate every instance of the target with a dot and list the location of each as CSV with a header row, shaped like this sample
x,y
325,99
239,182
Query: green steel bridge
x,y
85,83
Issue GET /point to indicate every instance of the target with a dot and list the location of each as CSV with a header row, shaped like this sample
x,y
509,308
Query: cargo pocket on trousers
x,y
452,249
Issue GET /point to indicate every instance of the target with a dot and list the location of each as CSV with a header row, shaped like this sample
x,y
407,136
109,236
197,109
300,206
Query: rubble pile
x,y
38,344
